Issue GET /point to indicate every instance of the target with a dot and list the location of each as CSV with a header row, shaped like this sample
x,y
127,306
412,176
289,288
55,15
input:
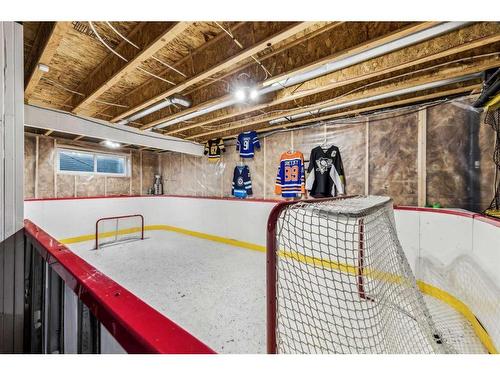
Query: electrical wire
x,y
169,66
56,84
333,100
237,42
104,43
111,104
122,36
155,76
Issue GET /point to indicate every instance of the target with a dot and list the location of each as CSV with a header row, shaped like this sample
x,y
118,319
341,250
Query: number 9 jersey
x,y
290,181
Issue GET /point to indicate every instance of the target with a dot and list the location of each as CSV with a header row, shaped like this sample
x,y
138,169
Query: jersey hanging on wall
x,y
247,143
242,183
214,148
290,178
325,173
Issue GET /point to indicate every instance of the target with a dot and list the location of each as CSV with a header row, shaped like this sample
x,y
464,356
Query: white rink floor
x,y
214,291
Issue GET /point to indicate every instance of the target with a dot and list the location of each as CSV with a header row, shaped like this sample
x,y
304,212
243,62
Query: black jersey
x,y
213,149
326,173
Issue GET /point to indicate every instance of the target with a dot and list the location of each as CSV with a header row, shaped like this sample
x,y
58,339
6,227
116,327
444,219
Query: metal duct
x,y
330,67
175,99
425,86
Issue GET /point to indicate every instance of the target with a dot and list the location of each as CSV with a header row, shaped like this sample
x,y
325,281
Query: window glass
x,y
89,162
110,164
75,161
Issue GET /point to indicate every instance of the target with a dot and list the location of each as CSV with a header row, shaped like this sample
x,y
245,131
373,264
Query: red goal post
x,y
102,219
271,251
338,281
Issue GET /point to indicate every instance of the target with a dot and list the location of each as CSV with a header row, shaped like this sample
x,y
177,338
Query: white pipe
x,y
409,90
174,99
368,54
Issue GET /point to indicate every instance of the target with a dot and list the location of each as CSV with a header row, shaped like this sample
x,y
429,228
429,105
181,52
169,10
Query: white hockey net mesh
x,y
111,231
344,284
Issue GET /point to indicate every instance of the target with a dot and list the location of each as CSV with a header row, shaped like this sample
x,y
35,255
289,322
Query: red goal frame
x,y
271,250
114,218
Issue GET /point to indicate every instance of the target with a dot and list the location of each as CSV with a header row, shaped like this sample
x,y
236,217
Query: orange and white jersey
x,y
290,180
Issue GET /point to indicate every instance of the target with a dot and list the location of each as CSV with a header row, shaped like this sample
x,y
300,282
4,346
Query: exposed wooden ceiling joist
x,y
50,46
245,54
151,81
349,52
407,58
488,63
151,36
371,108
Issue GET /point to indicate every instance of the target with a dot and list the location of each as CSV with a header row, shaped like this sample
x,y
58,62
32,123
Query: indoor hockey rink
x,y
250,186
222,299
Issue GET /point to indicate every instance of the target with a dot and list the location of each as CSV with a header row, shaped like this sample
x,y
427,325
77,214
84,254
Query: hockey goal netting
x,y
115,229
339,282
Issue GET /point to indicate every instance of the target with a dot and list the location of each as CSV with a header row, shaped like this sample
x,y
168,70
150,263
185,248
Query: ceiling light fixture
x,y
332,66
44,68
110,144
240,95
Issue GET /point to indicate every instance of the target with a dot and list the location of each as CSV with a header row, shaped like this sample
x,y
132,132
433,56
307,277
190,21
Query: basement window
x,y
84,162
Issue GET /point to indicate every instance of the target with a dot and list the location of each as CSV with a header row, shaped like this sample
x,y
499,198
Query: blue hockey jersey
x,y
242,184
246,144
290,180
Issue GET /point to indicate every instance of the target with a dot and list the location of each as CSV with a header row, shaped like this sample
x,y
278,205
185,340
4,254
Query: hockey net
x,y
116,229
339,282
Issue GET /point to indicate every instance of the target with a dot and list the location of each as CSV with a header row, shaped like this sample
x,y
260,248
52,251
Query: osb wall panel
x,y
117,185
65,185
29,166
149,169
351,142
46,168
135,165
393,158
71,185
230,159
447,137
90,186
487,175
209,176
171,166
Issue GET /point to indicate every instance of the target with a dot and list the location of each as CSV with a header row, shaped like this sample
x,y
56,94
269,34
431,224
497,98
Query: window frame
x,y
94,154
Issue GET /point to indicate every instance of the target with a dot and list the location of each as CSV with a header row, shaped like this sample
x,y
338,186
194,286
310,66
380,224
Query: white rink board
x,y
435,234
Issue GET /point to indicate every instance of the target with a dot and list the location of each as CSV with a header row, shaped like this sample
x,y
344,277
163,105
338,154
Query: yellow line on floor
x,y
425,288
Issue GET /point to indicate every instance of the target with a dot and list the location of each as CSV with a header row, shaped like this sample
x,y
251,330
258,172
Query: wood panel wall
x,y
41,179
381,155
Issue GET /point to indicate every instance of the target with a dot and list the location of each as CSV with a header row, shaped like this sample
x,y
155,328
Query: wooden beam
x,y
56,35
421,158
323,29
328,117
78,138
153,36
142,87
41,38
245,54
444,74
341,55
375,67
48,132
